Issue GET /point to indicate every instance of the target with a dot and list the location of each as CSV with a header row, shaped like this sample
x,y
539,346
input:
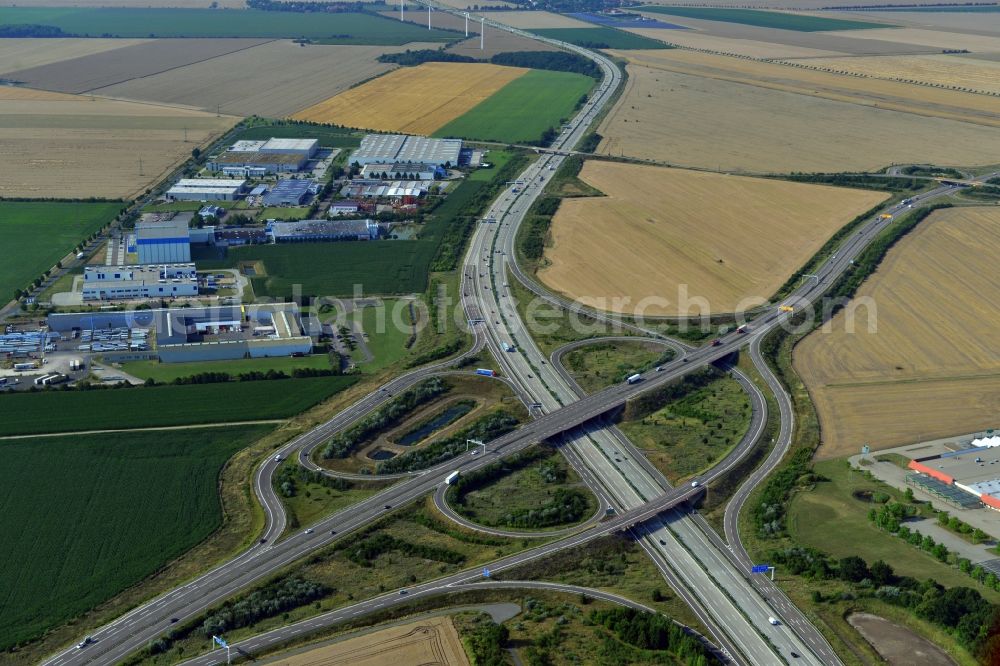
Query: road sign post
x,y
221,642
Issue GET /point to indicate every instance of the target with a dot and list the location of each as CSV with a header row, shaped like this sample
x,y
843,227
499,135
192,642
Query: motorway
x,y
561,413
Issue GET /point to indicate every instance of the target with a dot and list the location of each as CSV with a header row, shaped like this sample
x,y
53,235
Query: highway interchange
x,y
709,574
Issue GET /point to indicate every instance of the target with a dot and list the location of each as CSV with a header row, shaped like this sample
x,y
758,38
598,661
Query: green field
x,y
385,340
329,28
86,517
830,516
37,235
529,495
62,411
376,267
598,366
763,19
522,110
687,435
167,372
601,38
328,136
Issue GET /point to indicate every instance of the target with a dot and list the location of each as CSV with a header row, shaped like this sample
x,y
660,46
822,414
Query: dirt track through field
x,y
931,368
722,239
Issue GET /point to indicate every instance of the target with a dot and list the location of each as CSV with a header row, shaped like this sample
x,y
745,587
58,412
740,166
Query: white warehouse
x,y
116,283
207,189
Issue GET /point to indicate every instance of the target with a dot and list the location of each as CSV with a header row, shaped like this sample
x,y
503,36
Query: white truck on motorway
x,y
634,379
451,478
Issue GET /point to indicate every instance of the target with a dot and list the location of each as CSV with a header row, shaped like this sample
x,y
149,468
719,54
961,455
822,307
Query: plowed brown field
x,y
415,100
721,239
932,367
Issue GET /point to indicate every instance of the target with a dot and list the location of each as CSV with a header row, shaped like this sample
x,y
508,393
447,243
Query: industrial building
x,y
966,477
163,240
116,283
402,171
403,149
207,189
312,231
289,192
255,159
201,334
408,190
345,207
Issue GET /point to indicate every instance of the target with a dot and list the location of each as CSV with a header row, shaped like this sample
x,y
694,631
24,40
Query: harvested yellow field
x,y
431,641
540,20
18,53
931,368
946,70
728,241
891,95
66,146
744,47
414,100
937,39
695,109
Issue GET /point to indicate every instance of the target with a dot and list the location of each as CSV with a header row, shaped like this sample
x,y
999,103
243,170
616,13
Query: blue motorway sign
x,y
220,641
486,573
759,568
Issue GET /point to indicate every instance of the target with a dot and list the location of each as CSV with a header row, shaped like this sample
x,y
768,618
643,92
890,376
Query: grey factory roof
x,y
391,148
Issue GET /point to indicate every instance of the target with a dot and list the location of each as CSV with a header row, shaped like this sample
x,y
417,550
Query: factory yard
x,y
275,79
414,100
429,641
68,146
678,107
931,369
720,239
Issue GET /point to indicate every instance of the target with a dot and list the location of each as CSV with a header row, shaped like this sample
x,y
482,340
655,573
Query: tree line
x,y
485,429
386,416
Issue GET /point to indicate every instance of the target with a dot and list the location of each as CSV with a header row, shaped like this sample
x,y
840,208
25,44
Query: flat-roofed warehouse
x,y
257,158
139,281
163,241
289,192
401,149
207,189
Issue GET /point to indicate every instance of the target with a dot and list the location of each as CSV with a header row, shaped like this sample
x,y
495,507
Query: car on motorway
x,y
263,540
695,483
388,506
174,620
773,620
332,532
662,542
309,531
87,640
402,593
278,458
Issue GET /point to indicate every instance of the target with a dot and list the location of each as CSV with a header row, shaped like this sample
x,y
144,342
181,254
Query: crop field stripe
x,y
58,411
523,109
414,100
605,37
38,234
85,517
764,19
340,28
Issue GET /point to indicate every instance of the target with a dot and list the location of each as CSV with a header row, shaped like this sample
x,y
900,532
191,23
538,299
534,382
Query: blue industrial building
x,y
289,192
